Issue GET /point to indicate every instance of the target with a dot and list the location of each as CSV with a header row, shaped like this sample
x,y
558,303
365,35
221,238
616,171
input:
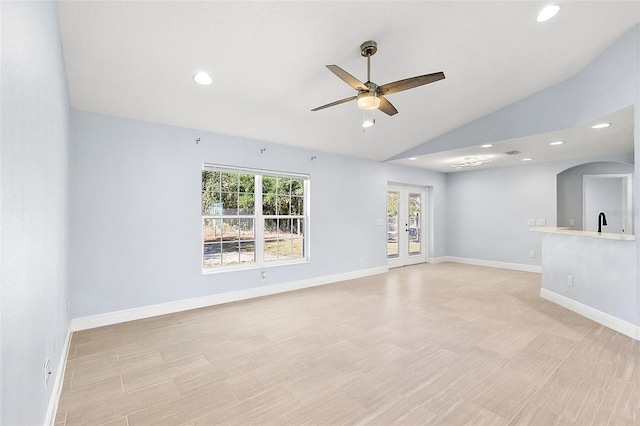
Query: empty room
x,y
319,212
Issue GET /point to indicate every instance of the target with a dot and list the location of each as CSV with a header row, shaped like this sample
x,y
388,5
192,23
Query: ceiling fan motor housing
x,y
368,48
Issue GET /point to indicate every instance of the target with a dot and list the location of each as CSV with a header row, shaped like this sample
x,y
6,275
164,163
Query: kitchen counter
x,y
592,274
590,234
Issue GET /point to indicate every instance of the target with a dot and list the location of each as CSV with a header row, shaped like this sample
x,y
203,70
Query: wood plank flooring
x,y
435,344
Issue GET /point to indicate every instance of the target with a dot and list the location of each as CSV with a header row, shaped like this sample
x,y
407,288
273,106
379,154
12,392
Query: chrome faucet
x,y
602,220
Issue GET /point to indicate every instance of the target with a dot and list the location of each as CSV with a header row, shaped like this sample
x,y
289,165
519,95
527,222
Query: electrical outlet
x,y
47,373
532,253
263,275
570,280
572,222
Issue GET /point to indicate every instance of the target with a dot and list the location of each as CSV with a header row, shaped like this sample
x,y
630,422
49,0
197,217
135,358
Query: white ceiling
x,y
136,59
580,142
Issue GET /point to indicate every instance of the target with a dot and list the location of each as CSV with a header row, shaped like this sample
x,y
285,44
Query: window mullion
x,y
259,225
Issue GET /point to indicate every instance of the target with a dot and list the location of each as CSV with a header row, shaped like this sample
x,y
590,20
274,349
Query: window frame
x,y
259,220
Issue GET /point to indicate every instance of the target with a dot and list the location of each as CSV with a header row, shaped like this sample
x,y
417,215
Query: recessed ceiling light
x,y
412,158
527,159
202,78
486,145
600,125
556,143
548,12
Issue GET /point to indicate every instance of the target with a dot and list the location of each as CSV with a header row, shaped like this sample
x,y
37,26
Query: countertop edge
x,y
588,234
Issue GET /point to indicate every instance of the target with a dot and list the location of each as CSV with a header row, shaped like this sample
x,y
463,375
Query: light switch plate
x,y
542,222
531,222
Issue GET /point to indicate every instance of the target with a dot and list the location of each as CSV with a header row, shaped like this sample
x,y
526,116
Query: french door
x,y
406,225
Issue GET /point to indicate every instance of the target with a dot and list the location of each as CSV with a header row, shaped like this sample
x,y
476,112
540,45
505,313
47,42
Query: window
x,y
252,218
282,210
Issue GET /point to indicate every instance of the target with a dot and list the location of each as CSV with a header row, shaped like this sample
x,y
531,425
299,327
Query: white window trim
x,y
259,262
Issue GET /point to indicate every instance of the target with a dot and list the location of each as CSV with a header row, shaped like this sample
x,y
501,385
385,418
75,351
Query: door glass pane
x,y
415,245
393,200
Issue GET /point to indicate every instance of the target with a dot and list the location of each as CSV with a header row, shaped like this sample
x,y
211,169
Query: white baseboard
x,y
600,317
440,259
52,409
492,264
214,299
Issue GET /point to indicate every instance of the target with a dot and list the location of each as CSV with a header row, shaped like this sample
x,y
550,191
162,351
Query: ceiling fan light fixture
x,y
470,162
368,122
548,12
368,100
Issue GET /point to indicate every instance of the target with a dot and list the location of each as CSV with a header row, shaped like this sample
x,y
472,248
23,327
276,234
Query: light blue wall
x,y
636,174
569,188
135,212
488,210
603,273
33,204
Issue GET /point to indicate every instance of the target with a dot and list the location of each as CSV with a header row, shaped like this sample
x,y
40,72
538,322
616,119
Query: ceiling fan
x,y
370,95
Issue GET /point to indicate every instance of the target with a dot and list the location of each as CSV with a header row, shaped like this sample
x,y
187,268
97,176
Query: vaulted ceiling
x,y
136,59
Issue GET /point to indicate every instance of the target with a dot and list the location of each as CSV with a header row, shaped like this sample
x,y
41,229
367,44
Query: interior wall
x,y
569,187
488,210
136,222
636,174
33,205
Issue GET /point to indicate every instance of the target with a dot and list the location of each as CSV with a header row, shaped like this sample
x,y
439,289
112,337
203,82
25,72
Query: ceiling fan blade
x,y
341,101
387,107
347,78
410,83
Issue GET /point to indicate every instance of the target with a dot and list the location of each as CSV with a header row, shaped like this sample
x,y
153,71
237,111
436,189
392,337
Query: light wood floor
x,y
430,344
